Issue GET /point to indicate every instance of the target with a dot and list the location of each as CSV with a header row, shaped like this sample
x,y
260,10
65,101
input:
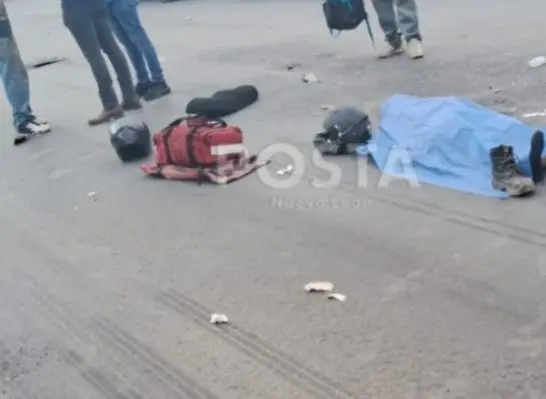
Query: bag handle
x,y
204,120
173,124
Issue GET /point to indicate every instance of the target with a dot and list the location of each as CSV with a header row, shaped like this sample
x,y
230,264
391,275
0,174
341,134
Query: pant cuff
x,y
414,36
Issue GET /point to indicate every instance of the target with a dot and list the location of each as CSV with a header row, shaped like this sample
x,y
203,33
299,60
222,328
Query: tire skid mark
x,y
265,354
59,317
478,223
95,378
126,342
164,372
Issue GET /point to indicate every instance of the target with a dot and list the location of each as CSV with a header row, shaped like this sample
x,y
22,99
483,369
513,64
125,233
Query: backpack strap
x,y
370,33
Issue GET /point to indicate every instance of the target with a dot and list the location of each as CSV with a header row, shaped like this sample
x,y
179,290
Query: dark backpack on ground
x,y
344,15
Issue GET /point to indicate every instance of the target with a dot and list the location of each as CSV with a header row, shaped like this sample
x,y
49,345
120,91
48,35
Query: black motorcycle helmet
x,y
131,140
345,128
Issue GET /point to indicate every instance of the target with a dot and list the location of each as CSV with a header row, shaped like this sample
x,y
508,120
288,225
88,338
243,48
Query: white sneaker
x,y
415,49
32,128
389,50
39,120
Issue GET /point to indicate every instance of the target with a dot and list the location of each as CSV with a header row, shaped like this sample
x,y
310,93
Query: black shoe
x,y
156,91
535,156
142,88
505,174
131,105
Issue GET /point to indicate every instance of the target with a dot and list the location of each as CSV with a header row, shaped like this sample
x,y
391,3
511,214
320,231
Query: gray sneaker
x,y
415,49
390,50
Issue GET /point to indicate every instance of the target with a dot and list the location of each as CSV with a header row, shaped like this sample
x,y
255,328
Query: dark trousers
x,y
92,31
130,32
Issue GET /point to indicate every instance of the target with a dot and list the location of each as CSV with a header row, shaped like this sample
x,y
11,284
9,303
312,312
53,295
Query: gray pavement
x,y
110,296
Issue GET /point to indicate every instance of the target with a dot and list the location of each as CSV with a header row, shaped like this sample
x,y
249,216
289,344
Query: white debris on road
x,y
286,171
309,78
537,62
338,297
218,318
319,286
535,114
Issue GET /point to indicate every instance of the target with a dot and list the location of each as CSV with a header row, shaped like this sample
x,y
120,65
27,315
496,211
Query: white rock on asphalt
x,y
309,78
319,286
338,297
537,62
218,318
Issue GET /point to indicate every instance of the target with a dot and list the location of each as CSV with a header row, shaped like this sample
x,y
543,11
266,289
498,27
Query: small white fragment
x,y
218,318
309,78
338,297
286,171
537,62
319,286
91,194
535,114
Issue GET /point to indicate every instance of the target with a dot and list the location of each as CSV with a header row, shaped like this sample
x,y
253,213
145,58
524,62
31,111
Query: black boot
x,y
505,174
535,156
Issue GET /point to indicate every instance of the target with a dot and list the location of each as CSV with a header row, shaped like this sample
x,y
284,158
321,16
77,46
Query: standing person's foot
x,y
415,49
39,120
131,104
390,49
157,90
142,88
30,128
535,156
107,115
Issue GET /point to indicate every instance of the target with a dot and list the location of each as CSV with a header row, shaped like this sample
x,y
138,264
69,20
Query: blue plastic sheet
x,y
445,141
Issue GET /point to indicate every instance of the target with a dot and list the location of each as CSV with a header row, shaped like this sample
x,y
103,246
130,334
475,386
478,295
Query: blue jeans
x,y
130,32
15,81
402,23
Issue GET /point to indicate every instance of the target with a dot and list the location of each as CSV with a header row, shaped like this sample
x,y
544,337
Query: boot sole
x,y
525,189
535,156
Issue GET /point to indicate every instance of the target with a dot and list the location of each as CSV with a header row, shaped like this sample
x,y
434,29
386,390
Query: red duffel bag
x,y
198,142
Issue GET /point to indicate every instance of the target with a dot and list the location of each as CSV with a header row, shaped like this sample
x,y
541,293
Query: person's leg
x,y
108,44
127,13
83,30
389,26
135,55
409,25
16,86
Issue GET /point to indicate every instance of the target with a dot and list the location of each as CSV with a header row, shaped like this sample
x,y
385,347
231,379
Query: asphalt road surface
x,y
109,295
